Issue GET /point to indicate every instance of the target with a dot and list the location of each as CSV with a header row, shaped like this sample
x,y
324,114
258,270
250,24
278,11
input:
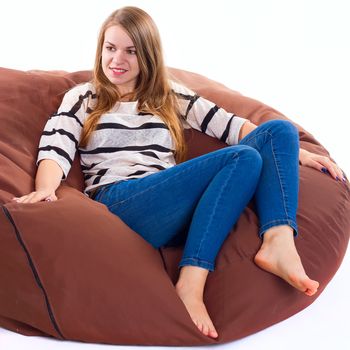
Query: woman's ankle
x,y
192,280
277,231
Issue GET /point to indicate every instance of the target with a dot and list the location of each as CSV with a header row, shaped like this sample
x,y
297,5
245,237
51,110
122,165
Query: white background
x,y
291,55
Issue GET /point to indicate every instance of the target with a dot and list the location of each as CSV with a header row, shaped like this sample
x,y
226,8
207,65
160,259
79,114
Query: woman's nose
x,y
118,56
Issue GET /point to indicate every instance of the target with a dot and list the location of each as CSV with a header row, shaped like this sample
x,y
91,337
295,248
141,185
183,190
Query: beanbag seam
x,y
32,267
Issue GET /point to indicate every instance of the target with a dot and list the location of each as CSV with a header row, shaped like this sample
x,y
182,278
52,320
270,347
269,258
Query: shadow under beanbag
x,y
70,269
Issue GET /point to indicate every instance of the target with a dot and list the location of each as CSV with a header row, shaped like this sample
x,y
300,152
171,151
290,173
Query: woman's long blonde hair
x,y
152,91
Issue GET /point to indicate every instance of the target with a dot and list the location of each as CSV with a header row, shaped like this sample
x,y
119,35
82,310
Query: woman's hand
x,y
321,163
37,196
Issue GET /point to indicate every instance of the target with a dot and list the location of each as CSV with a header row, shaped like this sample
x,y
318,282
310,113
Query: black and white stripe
x,y
126,143
207,117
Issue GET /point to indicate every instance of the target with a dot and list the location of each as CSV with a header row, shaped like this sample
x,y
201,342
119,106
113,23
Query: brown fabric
x,y
72,270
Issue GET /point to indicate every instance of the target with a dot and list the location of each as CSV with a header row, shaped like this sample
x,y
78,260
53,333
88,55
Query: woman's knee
x,y
284,127
250,156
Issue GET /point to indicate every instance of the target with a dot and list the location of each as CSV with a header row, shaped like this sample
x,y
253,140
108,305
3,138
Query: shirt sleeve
x,y
60,138
205,116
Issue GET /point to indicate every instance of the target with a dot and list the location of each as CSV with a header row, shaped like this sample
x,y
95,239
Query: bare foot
x,y
279,256
197,310
190,289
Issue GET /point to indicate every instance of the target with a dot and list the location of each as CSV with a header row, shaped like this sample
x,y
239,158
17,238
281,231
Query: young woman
x,y
127,124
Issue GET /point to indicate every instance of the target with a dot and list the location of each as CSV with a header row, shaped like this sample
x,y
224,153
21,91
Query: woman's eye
x,y
110,48
131,52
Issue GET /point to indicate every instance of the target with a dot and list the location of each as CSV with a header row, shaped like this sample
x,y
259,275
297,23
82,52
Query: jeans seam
x,y
256,135
165,180
198,260
214,207
277,170
277,220
100,192
279,179
288,221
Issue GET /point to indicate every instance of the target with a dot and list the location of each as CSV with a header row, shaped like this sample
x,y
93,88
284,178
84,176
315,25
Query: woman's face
x,y
119,59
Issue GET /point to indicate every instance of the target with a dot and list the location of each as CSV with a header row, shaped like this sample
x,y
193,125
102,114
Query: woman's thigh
x,y
160,206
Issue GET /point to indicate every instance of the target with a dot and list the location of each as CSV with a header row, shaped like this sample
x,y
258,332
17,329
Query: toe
x,y
309,292
200,326
213,333
310,287
205,330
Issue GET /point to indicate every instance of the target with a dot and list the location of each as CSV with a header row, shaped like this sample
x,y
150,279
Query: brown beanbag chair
x,y
70,269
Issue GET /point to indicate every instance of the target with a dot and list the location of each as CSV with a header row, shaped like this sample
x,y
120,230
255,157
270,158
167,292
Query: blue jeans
x,y
203,198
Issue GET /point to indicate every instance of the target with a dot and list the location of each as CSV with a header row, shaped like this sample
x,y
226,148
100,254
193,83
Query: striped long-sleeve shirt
x,y
126,144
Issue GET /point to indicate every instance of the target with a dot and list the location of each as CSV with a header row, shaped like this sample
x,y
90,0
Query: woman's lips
x,y
118,71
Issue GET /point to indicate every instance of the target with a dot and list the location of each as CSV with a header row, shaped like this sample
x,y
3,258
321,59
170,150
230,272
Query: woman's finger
x,y
20,199
29,198
314,164
332,169
35,197
324,164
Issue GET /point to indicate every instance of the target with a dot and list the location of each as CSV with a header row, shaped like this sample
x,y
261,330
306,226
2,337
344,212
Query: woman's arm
x,y
312,160
246,128
47,180
58,144
207,117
